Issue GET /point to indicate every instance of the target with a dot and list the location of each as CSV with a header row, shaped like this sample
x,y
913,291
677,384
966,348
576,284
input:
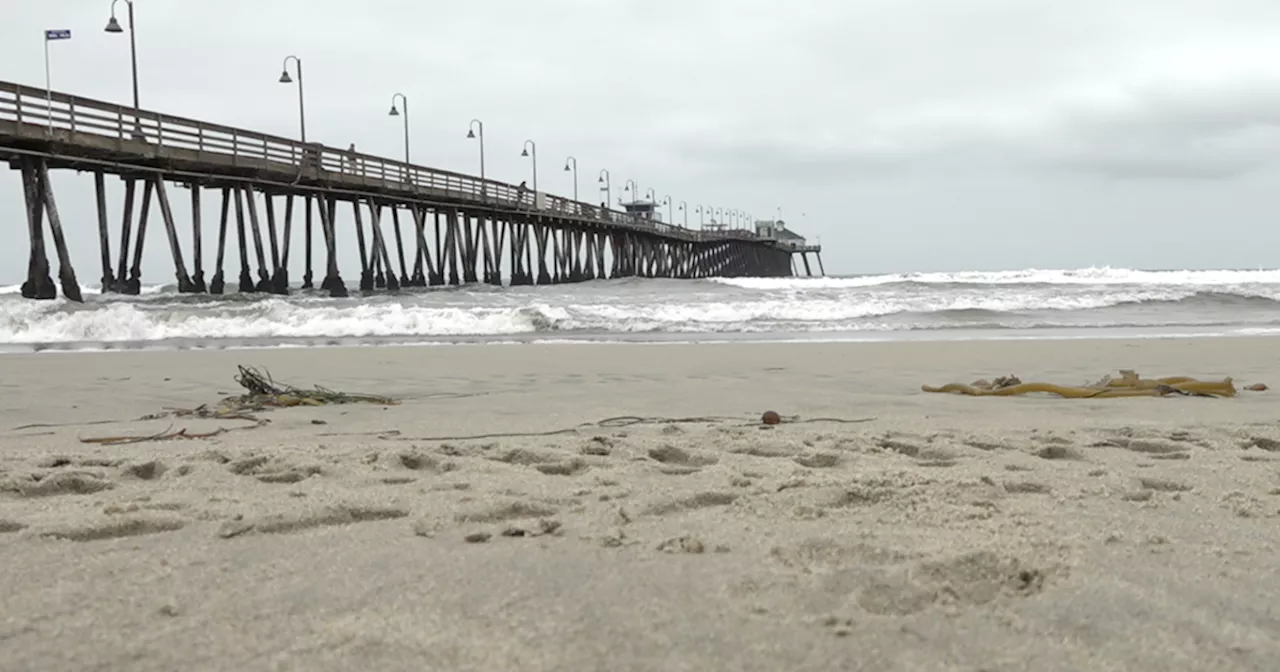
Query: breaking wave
x,y
905,302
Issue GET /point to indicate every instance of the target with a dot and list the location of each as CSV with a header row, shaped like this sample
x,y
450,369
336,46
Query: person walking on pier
x,y
350,163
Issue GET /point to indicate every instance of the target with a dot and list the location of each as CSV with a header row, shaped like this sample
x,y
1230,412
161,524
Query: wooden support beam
x,y
273,277
380,245
280,278
197,240
366,266
332,280
171,231
425,270
66,271
133,286
307,276
395,224
126,225
219,283
104,235
38,284
247,285
251,204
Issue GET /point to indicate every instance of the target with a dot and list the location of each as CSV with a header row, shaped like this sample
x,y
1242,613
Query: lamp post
x,y
471,133
652,196
608,188
630,186
671,218
531,145
702,222
286,79
404,101
113,26
574,162
684,207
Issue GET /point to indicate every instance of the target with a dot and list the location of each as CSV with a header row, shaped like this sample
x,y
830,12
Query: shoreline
x,y
652,338
612,506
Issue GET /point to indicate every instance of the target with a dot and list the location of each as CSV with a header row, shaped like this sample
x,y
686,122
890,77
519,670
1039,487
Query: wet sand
x,y
491,521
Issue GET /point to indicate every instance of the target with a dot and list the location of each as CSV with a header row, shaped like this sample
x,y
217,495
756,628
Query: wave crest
x,y
721,306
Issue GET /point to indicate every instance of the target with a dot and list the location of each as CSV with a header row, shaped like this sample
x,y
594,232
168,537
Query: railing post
x,y
71,114
120,123
199,142
235,146
159,130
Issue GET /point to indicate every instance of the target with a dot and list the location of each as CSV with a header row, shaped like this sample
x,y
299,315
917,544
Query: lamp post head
x,y
471,134
600,179
566,167
285,78
524,152
113,26
394,112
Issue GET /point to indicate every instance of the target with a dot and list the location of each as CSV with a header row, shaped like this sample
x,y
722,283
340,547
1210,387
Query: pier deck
x,y
41,132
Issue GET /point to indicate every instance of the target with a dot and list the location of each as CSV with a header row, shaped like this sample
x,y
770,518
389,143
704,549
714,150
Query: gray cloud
x,y
938,126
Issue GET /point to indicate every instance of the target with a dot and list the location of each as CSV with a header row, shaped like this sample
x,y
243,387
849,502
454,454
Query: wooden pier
x,y
461,229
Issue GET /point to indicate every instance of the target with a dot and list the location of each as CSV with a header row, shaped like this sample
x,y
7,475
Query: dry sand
x,y
949,533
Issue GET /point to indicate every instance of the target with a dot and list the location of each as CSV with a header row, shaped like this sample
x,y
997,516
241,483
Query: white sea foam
x,y
918,302
1083,276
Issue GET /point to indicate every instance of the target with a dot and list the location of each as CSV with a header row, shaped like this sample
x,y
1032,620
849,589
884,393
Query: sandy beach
x,y
491,521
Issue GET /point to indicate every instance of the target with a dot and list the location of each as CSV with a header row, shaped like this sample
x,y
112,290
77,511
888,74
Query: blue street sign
x,y
61,34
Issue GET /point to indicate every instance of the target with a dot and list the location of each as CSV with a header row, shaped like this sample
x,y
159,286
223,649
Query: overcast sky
x,y
911,134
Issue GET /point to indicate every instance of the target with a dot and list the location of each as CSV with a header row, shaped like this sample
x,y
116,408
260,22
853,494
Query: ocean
x,y
1092,302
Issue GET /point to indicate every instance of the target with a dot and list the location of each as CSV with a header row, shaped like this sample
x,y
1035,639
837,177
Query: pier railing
x,y
37,114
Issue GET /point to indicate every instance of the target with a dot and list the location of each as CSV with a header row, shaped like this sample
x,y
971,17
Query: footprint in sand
x,y
417,460
1059,452
671,455
527,458
986,444
770,449
1147,446
686,544
701,500
821,554
144,471
599,446
570,467
818,460
1161,485
971,579
1262,443
274,470
1027,488
505,511
294,522
861,495
57,483
908,448
117,528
